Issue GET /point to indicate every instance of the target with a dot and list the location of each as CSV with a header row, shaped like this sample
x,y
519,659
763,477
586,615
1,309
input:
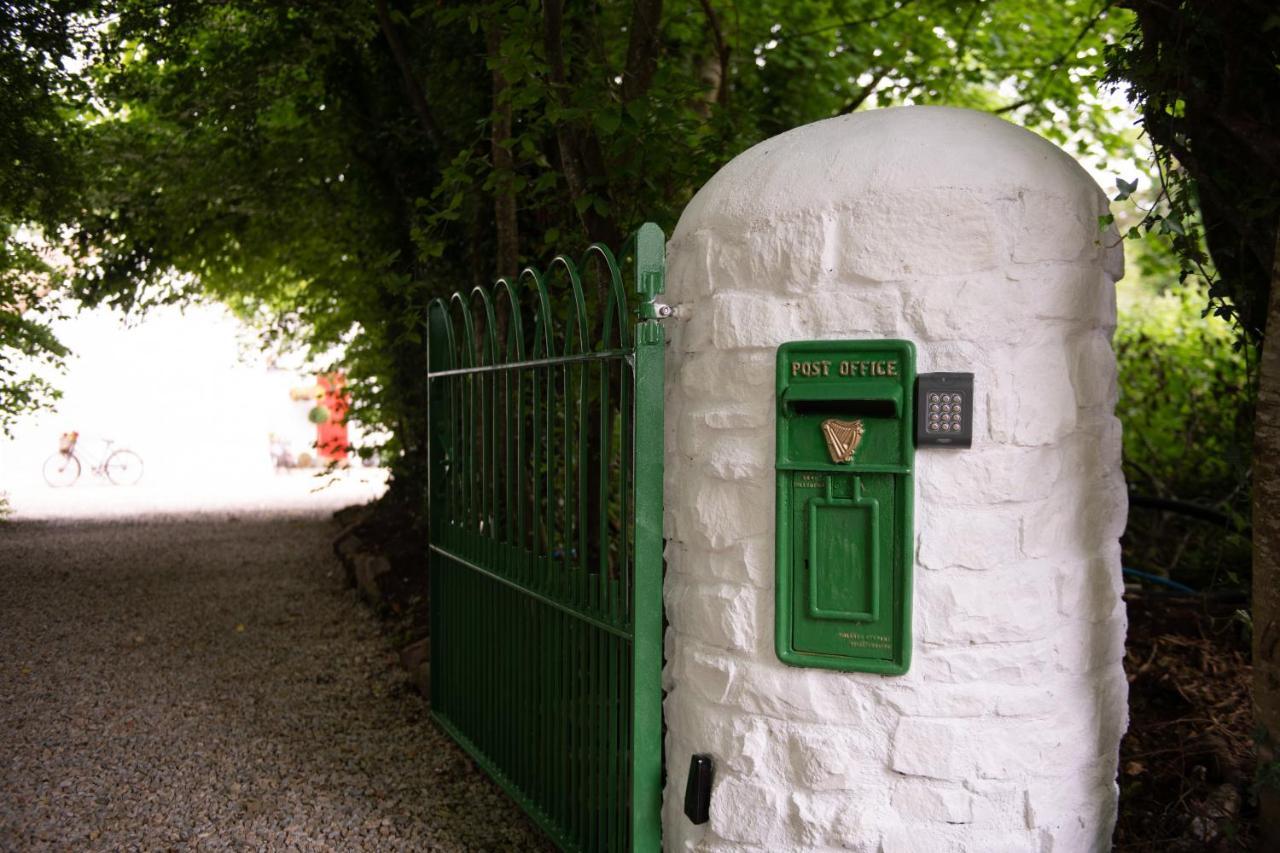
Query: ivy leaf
x,y
1127,188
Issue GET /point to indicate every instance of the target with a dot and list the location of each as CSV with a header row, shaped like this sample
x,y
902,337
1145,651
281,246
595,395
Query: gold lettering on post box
x,y
886,367
864,368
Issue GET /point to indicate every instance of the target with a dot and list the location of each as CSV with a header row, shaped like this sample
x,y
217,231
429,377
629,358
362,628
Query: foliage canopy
x,y
38,185
329,170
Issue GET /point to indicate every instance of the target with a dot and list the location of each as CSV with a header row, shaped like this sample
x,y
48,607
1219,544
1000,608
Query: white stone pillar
x,y
978,241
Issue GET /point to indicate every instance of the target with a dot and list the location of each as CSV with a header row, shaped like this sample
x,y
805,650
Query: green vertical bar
x,y
600,599
548,478
535,453
584,596
600,747
612,793
626,520
646,733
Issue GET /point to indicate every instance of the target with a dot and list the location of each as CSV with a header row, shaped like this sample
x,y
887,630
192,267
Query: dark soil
x,y
1187,762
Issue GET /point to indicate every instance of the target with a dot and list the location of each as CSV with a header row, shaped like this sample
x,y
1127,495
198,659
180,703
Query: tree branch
x,y
723,52
1055,66
504,200
416,96
642,49
844,25
866,92
580,159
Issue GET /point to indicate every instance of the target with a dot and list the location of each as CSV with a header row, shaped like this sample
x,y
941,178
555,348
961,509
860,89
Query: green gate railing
x,y
546,539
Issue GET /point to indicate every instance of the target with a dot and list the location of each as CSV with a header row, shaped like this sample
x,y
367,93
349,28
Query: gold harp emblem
x,y
842,438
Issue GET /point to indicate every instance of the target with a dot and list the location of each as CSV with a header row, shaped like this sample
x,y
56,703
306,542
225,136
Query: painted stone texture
x,y
978,241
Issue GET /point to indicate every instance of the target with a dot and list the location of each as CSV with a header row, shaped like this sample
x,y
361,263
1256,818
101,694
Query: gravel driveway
x,y
211,684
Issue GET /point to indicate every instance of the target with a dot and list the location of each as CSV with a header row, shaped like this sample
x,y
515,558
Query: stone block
x,y
1012,663
933,748
368,570
979,308
833,758
1052,227
749,813
1093,370
998,804
1009,605
772,689
1057,528
1092,594
852,311
688,267
722,615
987,474
923,838
940,700
753,413
1079,650
721,513
726,376
932,232
926,800
978,538
746,455
739,743
1032,400
743,320
824,820
707,674
747,561
415,658
785,254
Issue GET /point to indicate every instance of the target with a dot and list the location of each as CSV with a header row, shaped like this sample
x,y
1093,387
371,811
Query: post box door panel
x,y
841,601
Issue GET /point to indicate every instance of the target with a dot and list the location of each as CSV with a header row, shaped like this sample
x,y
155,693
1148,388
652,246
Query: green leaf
x,y
607,122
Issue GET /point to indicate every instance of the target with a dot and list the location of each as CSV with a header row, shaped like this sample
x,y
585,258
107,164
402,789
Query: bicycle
x,y
122,467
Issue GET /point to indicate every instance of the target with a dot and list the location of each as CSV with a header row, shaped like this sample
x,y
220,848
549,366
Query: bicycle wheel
x,y
61,470
124,467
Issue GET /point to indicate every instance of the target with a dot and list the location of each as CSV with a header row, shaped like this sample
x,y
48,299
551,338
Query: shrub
x,y
1187,396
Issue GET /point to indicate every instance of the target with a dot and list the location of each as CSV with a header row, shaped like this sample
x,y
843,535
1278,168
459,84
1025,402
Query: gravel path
x,y
211,684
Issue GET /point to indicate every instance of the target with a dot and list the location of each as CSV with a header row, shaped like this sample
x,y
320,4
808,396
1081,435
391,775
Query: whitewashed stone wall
x,y
978,241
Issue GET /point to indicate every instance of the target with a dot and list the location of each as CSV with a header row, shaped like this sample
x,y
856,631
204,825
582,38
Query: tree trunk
x,y
1266,567
504,199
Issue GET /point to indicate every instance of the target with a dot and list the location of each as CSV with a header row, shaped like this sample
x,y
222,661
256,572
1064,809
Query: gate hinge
x,y
656,311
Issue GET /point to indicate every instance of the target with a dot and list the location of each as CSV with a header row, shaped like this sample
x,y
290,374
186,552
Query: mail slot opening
x,y
865,408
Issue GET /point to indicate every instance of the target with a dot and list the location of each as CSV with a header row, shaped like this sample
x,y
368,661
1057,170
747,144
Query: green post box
x,y
844,472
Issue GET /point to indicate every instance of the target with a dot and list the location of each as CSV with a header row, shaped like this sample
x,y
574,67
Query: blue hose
x,y
1159,581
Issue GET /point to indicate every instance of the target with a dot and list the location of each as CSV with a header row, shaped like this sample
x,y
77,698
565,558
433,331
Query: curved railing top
x,y
571,309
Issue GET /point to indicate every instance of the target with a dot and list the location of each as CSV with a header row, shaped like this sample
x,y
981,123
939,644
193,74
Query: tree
x,y
1204,76
37,183
328,171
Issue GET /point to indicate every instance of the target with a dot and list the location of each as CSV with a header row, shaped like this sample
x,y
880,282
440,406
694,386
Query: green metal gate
x,y
545,508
